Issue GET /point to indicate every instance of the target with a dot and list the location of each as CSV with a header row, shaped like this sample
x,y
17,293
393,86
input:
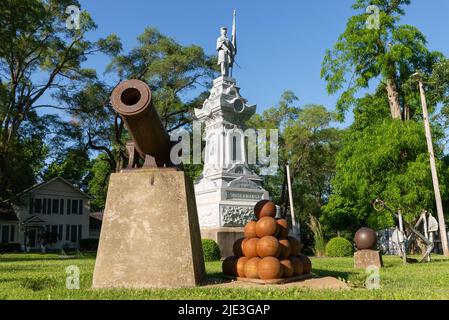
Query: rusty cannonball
x,y
283,228
238,247
287,267
307,264
295,245
286,248
240,266
365,239
229,266
270,268
266,226
250,247
265,208
268,247
251,268
250,230
298,267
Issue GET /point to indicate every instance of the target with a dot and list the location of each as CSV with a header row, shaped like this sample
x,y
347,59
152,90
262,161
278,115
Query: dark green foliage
x,y
211,250
89,244
10,247
339,247
387,161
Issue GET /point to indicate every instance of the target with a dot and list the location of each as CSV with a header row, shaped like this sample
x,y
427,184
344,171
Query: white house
x,y
54,212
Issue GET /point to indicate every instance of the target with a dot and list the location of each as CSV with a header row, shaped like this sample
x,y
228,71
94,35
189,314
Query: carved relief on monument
x,y
236,216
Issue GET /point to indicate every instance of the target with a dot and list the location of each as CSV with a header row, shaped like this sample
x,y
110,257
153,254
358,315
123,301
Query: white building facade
x,y
54,213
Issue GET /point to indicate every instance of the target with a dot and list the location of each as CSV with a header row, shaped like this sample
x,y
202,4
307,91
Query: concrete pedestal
x,y
224,237
150,236
366,258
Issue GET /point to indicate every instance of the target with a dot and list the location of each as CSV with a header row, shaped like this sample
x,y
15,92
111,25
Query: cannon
x,y
131,99
150,234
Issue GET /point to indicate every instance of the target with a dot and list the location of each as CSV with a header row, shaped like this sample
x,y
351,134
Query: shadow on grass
x,y
335,274
43,257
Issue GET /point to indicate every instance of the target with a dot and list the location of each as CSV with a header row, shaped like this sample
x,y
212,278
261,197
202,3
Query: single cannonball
x,y
306,263
238,247
283,228
268,247
240,266
266,226
250,248
286,248
250,230
295,245
229,266
365,239
251,268
270,268
298,267
265,208
287,267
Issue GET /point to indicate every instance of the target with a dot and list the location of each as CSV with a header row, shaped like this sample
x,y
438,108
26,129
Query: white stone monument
x,y
228,189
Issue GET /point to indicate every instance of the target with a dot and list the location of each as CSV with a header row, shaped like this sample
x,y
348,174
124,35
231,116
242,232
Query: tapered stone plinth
x,y
367,258
150,237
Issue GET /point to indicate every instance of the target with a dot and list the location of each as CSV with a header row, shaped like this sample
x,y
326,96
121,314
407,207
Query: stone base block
x,y
225,237
150,236
366,258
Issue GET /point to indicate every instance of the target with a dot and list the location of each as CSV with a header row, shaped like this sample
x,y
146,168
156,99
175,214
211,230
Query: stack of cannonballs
x,y
266,252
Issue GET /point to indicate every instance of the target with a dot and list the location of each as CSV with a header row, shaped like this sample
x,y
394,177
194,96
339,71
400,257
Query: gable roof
x,y
40,185
7,212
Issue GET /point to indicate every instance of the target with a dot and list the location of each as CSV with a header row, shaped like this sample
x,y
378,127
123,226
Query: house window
x,y
80,231
67,232
5,234
12,235
74,206
60,232
44,206
48,206
37,205
73,233
69,208
55,206
61,206
80,207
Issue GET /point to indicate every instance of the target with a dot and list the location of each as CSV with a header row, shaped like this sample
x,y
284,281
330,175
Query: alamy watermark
x,y
72,281
73,20
372,282
373,20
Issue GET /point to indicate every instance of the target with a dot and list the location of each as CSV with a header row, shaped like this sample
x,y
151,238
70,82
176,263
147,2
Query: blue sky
x,y
281,43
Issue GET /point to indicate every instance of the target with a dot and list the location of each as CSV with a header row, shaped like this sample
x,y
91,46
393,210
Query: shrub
x,y
211,250
89,244
339,247
10,247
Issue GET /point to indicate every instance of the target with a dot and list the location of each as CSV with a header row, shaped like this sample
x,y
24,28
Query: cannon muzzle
x,y
132,100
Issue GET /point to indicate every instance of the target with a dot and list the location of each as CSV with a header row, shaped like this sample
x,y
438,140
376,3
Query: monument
x,y
227,189
150,236
365,240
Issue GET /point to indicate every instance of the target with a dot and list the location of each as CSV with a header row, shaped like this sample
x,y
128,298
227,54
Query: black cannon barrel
x,y
132,100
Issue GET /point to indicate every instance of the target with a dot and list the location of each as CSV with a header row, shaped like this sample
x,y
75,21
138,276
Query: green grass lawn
x,y
36,276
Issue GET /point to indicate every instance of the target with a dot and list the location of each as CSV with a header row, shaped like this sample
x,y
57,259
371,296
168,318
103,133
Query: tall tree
x,y
391,54
39,56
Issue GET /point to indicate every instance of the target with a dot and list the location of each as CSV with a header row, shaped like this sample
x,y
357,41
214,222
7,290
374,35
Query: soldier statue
x,y
227,50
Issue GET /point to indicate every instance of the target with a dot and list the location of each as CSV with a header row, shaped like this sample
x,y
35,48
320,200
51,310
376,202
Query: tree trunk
x,y
393,99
